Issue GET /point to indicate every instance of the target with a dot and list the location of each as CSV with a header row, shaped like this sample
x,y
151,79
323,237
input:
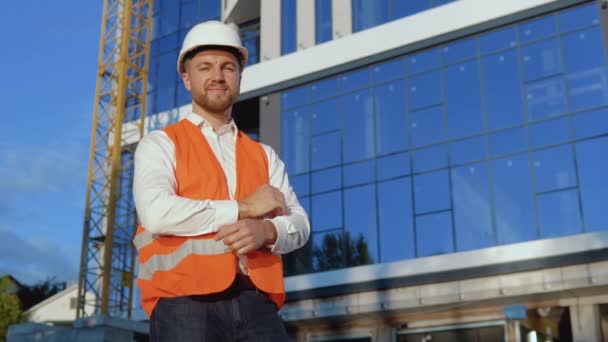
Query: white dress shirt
x,y
163,212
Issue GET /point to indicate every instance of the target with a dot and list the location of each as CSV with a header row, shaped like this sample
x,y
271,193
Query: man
x,y
216,209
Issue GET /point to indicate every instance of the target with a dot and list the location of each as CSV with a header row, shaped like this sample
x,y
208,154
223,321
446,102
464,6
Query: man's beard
x,y
214,103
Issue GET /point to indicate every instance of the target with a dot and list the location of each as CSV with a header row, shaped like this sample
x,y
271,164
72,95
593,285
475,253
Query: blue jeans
x,y
239,314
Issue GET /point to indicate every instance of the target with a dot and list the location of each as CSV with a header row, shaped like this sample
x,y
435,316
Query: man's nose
x,y
217,74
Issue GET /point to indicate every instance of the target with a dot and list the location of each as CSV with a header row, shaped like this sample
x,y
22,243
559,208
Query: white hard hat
x,y
211,32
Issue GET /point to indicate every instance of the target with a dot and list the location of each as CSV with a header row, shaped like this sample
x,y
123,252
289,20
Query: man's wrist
x,y
270,233
243,209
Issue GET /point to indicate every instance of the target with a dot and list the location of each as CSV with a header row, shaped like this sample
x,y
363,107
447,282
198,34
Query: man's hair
x,y
237,54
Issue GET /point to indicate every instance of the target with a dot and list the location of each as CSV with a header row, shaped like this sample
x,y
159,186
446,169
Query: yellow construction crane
x,y
105,284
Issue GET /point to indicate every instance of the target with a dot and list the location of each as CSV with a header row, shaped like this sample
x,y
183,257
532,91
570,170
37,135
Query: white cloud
x,y
35,259
26,171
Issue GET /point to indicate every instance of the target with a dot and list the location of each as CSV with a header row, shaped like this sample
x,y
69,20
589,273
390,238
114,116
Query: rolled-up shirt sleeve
x,y
293,228
160,209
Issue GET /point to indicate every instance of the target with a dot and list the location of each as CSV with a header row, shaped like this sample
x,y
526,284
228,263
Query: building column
x,y
585,323
342,18
270,121
305,23
270,30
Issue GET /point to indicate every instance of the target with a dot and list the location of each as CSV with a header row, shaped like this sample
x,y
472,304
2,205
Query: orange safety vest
x,y
174,266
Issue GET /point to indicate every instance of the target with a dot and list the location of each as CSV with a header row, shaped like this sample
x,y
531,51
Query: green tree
x,y
10,308
339,250
32,295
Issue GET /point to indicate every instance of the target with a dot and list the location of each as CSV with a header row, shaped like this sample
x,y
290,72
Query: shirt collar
x,y
197,120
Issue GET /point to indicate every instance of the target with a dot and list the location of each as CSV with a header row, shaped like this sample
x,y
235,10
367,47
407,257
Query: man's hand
x,y
247,235
264,201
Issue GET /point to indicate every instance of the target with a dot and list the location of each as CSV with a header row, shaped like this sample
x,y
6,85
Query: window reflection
x,y
358,126
434,234
327,211
513,199
432,192
394,166
396,221
463,97
471,141
360,219
359,173
391,117
558,214
554,168
472,207
594,183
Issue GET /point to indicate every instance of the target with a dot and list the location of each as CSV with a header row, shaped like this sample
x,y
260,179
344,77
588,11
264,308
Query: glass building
x,y
451,155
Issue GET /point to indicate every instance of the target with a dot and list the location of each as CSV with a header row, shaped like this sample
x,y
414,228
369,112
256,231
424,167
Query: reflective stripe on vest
x,y
143,239
165,262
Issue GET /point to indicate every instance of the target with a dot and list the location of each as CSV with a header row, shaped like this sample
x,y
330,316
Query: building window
x,y
489,140
367,14
250,36
323,26
73,303
288,27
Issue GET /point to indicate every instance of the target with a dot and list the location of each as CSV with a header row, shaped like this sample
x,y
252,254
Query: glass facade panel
x,y
294,97
541,59
211,10
550,132
554,168
301,184
430,158
592,173
498,40
546,98
579,17
513,200
330,179
590,123
489,140
503,89
393,166
367,14
434,234
326,211
508,141
472,207
295,140
427,126
461,50
468,150
424,61
396,220
358,126
425,90
325,116
323,27
288,26
403,8
432,192
356,80
189,14
389,70
359,173
558,214
326,150
463,97
324,89
391,117
538,28
169,18
360,224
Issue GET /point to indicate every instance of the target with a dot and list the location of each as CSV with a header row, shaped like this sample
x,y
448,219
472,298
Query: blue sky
x,y
47,81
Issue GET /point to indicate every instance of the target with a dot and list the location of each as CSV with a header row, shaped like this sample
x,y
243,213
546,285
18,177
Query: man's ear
x,y
186,80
